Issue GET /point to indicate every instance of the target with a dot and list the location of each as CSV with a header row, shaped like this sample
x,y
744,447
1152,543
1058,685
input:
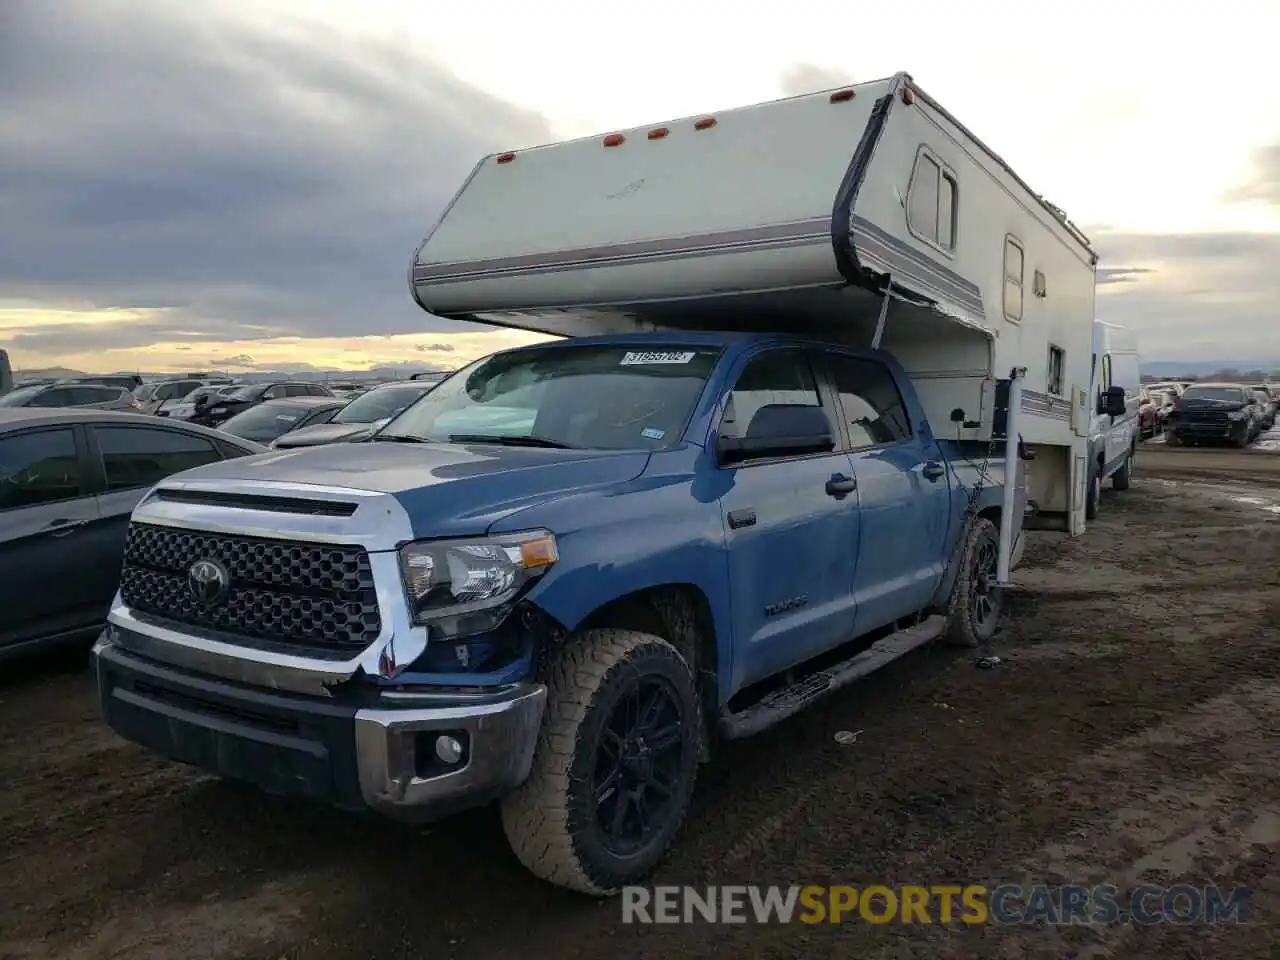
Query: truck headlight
x,y
1237,414
462,587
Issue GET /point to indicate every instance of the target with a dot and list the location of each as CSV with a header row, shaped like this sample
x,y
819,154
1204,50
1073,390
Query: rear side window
x,y
869,401
54,397
39,467
135,457
777,376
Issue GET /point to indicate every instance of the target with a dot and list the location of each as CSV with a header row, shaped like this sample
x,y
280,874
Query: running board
x,y
789,701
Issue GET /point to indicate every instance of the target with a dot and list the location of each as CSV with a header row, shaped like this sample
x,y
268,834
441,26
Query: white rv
x,y
1114,425
801,215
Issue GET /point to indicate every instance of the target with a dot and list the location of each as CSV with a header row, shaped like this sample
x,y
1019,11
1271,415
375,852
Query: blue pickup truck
x,y
557,580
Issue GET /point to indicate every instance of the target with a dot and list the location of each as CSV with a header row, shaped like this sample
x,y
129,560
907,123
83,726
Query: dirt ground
x,y
1130,735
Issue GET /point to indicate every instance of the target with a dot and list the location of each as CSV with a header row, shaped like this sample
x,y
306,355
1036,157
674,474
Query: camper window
x,y
1013,263
869,401
1054,378
931,202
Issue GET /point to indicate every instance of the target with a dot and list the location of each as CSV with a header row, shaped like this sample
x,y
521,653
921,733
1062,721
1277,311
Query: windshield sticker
x,y
633,358
285,417
650,433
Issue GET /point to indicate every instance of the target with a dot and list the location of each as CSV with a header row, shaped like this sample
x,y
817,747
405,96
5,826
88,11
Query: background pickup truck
x,y
556,580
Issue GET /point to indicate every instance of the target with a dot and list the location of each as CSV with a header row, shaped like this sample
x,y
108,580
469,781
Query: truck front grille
x,y
311,599
1213,417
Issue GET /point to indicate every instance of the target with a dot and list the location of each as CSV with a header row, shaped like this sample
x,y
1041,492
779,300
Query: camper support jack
x,y
1012,465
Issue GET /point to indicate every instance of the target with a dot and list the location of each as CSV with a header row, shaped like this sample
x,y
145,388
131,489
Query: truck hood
x,y
326,433
447,489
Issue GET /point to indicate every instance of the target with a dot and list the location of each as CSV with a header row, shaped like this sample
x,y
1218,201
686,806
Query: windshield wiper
x,y
398,438
508,440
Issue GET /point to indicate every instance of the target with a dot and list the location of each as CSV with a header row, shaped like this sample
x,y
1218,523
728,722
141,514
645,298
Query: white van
x,y
1114,425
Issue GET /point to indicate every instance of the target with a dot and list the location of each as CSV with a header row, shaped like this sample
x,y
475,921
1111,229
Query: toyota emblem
x,y
208,581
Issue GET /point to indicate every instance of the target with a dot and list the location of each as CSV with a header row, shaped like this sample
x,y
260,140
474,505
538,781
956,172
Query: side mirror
x,y
1111,402
779,430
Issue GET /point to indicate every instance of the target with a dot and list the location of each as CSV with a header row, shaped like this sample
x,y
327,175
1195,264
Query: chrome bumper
x,y
382,758
401,778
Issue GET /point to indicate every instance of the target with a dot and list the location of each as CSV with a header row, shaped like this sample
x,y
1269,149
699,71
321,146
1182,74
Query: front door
x,y
904,491
45,511
791,527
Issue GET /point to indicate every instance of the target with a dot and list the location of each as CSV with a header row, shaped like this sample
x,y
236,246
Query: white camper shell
x,y
798,215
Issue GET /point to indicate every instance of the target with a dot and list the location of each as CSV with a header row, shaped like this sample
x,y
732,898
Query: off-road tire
x,y
1120,479
1093,495
1243,440
548,820
963,630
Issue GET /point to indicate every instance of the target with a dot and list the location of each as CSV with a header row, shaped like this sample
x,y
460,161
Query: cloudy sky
x,y
190,185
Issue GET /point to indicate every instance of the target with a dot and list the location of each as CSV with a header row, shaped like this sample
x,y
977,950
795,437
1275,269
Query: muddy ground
x,y
1130,734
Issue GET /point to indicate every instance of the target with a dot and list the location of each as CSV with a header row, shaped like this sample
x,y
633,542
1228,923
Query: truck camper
x,y
814,367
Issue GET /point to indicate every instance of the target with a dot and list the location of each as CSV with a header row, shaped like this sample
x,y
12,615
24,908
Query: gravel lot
x,y
1130,734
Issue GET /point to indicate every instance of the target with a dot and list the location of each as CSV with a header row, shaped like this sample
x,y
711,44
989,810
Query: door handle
x,y
840,486
60,528
933,470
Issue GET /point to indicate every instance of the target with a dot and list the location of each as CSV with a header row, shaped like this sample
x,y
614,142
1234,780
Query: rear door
x,y
127,461
904,492
46,515
792,544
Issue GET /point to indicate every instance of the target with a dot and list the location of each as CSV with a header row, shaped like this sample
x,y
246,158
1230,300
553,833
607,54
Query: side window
x,y
777,376
932,201
1056,372
317,391
297,390
1013,266
869,401
39,467
275,393
922,207
57,397
140,456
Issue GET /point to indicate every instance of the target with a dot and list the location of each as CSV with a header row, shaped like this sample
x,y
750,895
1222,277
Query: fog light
x,y
448,749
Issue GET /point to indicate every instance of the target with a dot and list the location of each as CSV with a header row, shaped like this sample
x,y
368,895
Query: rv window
x,y
869,401
779,376
922,205
1057,364
1012,280
947,212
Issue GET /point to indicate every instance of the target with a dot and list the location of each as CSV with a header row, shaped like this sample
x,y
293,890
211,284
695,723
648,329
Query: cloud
x,y
1265,185
239,360
233,181
802,78
440,347
1193,295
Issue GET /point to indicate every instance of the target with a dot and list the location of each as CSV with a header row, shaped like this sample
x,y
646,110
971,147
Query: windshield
x,y
145,392
247,392
265,422
379,404
1231,394
592,397
19,397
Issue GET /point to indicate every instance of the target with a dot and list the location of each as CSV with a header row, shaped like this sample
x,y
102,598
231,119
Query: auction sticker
x,y
633,358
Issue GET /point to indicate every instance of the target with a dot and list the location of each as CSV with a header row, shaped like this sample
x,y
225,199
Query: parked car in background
x,y
213,411
360,418
1171,385
185,407
1266,406
1163,400
152,396
93,395
1208,412
1148,415
69,480
130,381
272,419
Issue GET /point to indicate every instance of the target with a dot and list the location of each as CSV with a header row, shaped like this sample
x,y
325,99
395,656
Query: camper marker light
x,y
841,96
706,123
614,140
506,157
657,133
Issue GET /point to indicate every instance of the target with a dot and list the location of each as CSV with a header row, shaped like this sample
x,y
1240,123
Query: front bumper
x,y
352,756
1210,431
